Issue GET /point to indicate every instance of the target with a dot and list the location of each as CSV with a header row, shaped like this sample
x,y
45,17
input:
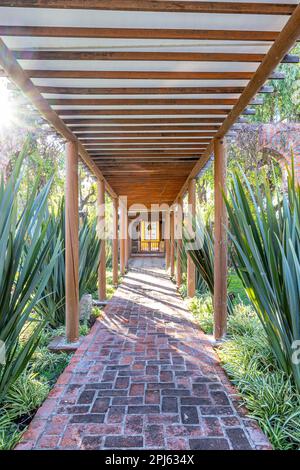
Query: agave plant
x,y
53,299
89,251
201,250
265,233
23,273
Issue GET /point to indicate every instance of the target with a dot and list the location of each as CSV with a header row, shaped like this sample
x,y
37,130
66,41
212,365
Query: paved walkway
x,y
146,377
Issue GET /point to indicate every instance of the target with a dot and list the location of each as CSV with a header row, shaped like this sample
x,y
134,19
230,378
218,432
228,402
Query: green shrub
x,y
24,273
236,289
26,394
48,365
10,432
267,392
248,359
202,309
265,233
243,320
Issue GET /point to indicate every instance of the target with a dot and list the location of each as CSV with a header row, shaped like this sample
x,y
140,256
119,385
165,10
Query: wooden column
x,y
101,228
179,242
220,248
129,239
126,241
167,239
115,242
72,243
122,235
172,247
191,269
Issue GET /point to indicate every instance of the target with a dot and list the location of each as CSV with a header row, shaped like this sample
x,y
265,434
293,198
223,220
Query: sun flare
x,y
6,108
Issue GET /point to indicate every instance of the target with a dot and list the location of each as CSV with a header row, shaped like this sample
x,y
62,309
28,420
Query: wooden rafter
x,y
146,134
259,8
144,146
142,75
146,91
146,56
120,153
19,77
285,41
144,140
144,121
138,134
159,128
135,33
141,101
141,112
79,129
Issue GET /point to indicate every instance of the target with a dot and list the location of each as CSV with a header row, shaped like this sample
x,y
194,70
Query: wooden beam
x,y
138,75
115,242
79,129
144,121
72,243
191,269
159,160
285,41
144,141
101,228
140,91
148,147
141,101
220,242
32,54
158,155
133,151
136,33
255,8
15,72
138,56
125,135
142,112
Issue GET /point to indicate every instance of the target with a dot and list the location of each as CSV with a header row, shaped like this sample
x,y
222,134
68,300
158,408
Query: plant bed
x,y
34,385
267,392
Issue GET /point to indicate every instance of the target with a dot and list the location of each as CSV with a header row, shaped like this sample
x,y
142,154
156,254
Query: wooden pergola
x,y
144,93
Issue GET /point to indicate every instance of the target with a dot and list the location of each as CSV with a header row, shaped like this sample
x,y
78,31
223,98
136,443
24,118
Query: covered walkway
x,y
145,377
145,94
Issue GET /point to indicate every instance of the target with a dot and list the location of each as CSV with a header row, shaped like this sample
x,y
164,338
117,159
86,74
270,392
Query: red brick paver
x,y
145,377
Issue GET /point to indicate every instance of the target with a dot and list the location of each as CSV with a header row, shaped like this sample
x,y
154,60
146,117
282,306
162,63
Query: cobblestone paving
x,y
145,378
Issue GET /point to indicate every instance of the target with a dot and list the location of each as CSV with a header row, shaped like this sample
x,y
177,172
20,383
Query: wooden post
x,y
115,242
191,269
167,239
129,238
172,243
101,228
122,235
126,239
220,250
179,242
72,243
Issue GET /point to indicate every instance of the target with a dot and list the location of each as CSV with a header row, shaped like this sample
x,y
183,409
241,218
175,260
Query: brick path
x,y
145,377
